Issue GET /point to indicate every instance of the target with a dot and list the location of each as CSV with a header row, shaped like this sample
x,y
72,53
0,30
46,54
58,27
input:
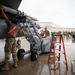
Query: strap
x,y
10,31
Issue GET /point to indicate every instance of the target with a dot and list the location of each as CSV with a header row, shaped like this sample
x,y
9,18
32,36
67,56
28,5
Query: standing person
x,y
46,33
10,46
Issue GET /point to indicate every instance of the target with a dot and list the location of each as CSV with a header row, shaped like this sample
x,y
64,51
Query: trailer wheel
x,y
20,53
34,55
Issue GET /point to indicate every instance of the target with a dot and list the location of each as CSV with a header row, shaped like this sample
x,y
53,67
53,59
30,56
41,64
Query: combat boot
x,y
5,67
15,64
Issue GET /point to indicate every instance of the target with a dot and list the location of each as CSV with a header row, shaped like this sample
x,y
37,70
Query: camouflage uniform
x,y
10,46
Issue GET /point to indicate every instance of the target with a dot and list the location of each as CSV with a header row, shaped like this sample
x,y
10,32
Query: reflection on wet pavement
x,y
41,66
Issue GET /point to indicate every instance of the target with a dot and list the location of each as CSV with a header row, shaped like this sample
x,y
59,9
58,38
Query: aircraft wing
x,y
14,4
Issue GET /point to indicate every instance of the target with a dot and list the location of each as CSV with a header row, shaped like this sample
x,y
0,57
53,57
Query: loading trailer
x,y
38,44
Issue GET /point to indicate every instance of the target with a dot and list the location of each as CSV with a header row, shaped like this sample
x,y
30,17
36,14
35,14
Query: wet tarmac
x,y
40,66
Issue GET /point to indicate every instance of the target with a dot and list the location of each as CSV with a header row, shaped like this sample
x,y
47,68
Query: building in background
x,y
48,25
56,28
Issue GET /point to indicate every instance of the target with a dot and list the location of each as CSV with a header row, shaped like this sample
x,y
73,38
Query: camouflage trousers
x,y
10,47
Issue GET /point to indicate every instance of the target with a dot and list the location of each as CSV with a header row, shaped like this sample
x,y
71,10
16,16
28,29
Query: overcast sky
x,y
60,12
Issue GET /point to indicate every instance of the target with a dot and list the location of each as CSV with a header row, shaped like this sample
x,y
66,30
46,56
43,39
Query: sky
x,y
60,12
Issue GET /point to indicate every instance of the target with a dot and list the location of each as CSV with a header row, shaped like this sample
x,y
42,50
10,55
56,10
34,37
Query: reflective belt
x,y
10,31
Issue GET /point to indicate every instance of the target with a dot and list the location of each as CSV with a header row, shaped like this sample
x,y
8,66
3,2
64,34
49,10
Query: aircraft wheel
x,y
34,55
20,53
